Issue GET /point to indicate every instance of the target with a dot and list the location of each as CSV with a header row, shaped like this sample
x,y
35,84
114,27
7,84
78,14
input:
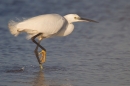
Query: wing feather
x,y
47,24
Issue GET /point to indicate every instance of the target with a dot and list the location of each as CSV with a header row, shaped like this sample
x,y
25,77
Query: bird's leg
x,y
43,52
42,58
37,55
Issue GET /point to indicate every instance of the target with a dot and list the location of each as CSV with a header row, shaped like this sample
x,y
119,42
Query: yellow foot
x,y
43,56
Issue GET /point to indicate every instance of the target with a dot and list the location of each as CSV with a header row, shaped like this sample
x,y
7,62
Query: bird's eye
x,y
75,17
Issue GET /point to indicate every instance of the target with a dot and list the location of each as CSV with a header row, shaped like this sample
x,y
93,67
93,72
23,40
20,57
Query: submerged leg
x,y
42,59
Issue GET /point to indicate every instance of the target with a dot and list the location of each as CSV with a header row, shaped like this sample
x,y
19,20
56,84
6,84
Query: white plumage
x,y
48,24
45,26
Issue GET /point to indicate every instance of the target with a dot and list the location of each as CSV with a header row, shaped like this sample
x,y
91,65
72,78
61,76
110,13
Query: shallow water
x,y
95,54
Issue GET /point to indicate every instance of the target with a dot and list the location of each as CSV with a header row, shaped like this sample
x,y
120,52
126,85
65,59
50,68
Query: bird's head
x,y
76,18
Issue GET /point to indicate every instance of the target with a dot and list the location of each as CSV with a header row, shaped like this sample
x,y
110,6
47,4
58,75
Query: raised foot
x,y
43,56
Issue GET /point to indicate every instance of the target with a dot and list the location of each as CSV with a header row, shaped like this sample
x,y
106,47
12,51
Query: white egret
x,y
45,26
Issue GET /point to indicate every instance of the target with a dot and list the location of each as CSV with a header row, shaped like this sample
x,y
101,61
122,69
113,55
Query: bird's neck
x,y
68,19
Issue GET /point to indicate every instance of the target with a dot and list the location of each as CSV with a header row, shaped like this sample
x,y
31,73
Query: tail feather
x,y
12,27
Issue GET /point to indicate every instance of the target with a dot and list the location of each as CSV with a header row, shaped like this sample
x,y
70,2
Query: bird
x,y
45,26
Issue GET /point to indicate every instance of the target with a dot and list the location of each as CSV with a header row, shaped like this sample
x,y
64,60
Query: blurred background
x,y
95,54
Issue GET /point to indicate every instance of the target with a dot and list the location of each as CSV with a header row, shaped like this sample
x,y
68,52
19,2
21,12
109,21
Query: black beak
x,y
88,20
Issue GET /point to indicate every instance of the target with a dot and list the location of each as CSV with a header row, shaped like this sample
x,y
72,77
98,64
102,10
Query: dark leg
x,y
42,59
36,53
33,39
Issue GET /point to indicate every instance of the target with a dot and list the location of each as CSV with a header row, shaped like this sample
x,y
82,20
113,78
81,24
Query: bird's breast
x,y
66,30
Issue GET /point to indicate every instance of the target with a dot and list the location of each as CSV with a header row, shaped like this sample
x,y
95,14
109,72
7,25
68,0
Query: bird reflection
x,y
40,80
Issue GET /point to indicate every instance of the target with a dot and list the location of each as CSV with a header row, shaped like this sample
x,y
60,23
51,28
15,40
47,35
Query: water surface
x,y
95,54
